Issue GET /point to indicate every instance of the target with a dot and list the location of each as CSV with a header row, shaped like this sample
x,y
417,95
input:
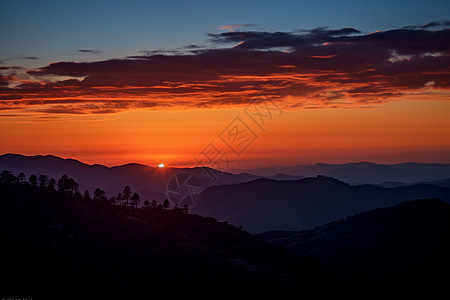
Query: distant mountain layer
x,y
443,183
265,204
258,204
148,181
366,172
401,242
59,246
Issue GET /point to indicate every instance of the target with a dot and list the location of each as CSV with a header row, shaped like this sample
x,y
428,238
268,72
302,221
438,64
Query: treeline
x,y
70,187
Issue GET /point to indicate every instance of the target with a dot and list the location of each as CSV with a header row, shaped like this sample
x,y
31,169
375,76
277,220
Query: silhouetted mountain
x,y
391,184
265,204
55,245
366,172
149,182
404,244
280,176
442,183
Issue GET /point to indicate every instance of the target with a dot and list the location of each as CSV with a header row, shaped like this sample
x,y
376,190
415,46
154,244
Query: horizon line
x,y
230,170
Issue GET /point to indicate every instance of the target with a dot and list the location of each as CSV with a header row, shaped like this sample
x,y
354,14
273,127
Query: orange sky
x,y
324,95
391,132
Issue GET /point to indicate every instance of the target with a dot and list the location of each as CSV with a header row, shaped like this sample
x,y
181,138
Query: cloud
x,y
4,60
313,68
189,49
325,31
89,51
4,80
233,27
77,110
28,57
436,24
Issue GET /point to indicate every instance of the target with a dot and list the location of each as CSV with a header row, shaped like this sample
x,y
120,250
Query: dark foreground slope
x,y
407,245
56,246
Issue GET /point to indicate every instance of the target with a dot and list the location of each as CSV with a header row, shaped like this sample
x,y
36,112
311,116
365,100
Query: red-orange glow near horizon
x,y
392,132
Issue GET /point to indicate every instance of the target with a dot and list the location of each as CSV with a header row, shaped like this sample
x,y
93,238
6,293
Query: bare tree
x,y
21,177
154,203
126,194
33,180
166,204
43,181
135,199
51,184
99,195
86,196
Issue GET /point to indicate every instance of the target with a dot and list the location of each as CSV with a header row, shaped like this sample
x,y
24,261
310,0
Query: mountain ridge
x,y
150,181
398,243
267,204
60,246
408,172
258,203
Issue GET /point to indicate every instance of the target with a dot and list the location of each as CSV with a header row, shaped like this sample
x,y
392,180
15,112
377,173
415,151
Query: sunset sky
x,y
230,85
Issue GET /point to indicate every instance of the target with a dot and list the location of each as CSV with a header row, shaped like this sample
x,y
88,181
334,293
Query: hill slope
x,y
149,182
407,243
55,245
264,204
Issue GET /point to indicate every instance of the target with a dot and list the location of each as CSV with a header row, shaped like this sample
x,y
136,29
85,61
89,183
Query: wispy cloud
x,y
314,68
234,27
89,51
435,24
28,57
19,57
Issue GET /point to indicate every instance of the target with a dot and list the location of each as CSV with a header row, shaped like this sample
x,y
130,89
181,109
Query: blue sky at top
x,y
53,30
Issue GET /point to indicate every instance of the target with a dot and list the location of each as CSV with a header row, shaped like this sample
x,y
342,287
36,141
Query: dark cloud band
x,y
323,65
89,51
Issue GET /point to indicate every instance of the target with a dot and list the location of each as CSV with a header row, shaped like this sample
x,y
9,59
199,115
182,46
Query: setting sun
x,y
161,165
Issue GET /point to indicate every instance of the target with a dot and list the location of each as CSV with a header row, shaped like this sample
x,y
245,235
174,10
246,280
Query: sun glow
x,y
161,165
